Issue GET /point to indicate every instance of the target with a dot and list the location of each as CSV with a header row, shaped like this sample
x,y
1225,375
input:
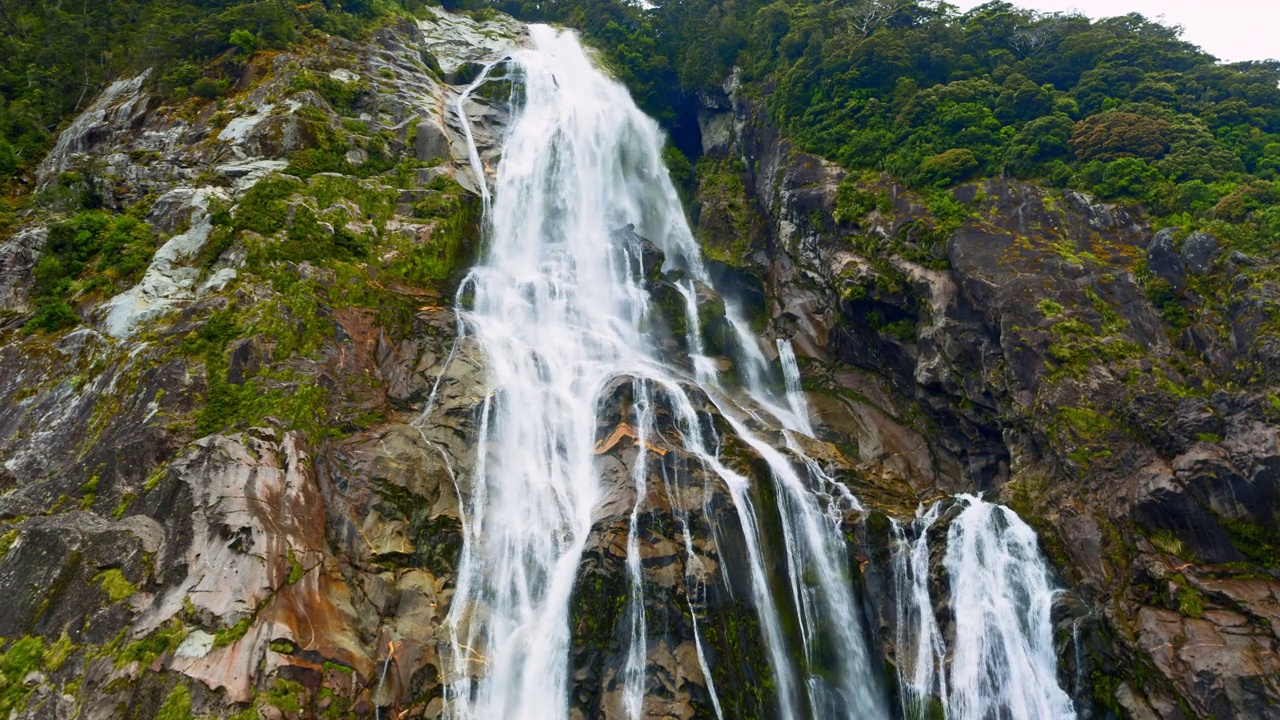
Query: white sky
x,y
1231,30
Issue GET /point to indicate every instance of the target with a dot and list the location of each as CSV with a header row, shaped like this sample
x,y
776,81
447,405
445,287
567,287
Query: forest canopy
x,y
1121,107
56,56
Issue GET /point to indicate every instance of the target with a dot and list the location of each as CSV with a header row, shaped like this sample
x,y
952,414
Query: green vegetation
x,y
1257,543
56,654
231,635
296,570
334,222
286,695
1120,107
1167,542
177,706
115,585
54,57
93,253
1188,599
1084,423
20,658
341,96
1076,346
164,639
455,234
724,205
853,202
6,541
1049,308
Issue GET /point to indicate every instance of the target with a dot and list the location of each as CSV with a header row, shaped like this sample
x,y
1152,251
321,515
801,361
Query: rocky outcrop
x,y
1008,338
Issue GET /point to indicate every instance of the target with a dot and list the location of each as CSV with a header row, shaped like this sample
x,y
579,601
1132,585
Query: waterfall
x,y
920,647
558,311
1003,663
791,379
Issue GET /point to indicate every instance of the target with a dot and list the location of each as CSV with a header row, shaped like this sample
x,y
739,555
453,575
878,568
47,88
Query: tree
x,y
245,40
1040,141
867,16
1112,135
949,167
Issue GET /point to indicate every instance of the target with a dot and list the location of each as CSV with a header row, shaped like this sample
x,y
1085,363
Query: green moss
x,y
123,506
285,695
1111,321
1049,308
56,654
6,542
930,709
334,706
295,568
177,706
163,639
153,480
1083,423
89,492
1259,544
739,663
1190,602
230,635
1104,690
21,657
115,585
284,647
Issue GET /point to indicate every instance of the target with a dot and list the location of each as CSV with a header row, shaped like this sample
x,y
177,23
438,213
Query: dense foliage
x,y
1120,107
55,56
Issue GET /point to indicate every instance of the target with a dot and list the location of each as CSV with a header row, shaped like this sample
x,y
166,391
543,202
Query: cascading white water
x,y
555,316
920,647
557,309
1003,663
791,380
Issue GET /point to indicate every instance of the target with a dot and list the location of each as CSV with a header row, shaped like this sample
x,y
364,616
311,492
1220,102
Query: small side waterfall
x,y
791,379
921,649
1003,663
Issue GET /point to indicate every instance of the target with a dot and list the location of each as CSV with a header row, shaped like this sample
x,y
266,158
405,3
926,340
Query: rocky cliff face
x,y
1111,382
